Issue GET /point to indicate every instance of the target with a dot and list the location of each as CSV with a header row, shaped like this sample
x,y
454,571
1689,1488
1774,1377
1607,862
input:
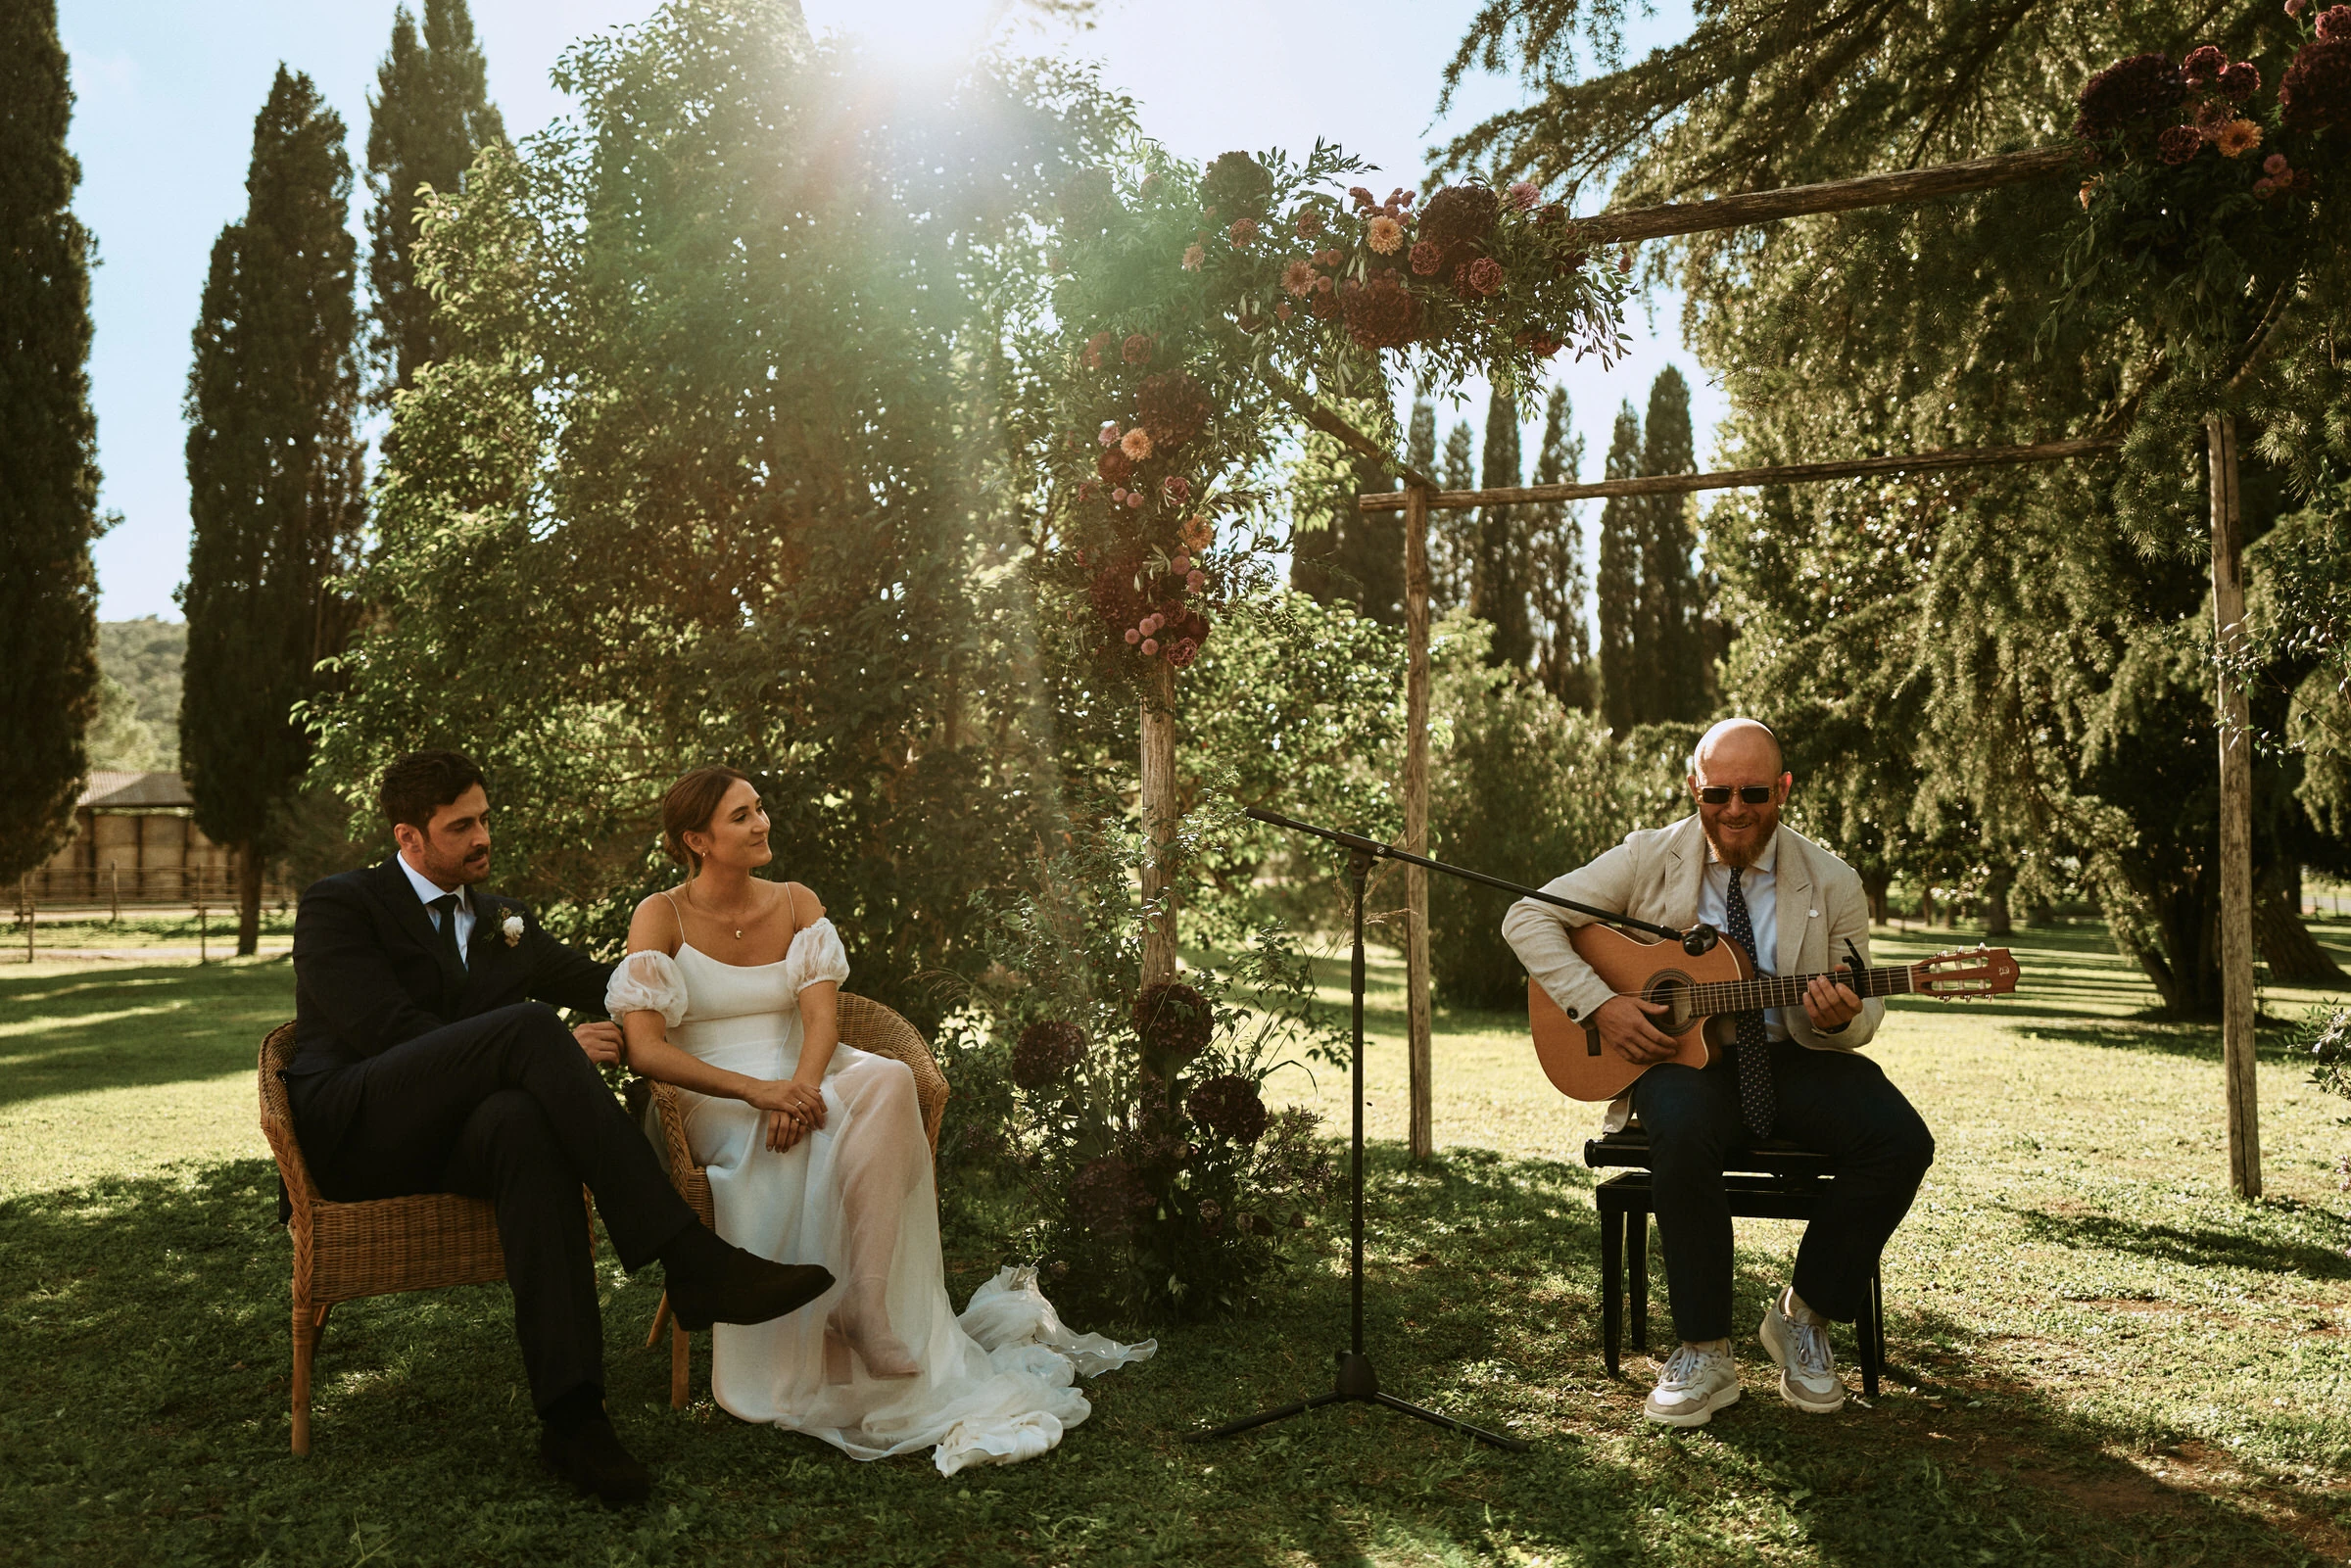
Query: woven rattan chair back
x,y
379,1248
866,1024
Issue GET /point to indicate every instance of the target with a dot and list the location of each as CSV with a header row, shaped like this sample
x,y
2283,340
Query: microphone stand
x,y
1358,1382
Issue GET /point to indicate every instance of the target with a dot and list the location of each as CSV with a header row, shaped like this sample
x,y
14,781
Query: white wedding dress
x,y
995,1386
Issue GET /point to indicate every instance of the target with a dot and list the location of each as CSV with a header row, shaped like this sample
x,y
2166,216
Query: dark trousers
x,y
1835,1102
508,1107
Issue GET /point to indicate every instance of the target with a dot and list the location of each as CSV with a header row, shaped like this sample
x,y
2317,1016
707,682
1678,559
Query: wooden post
x,y
2236,812
114,892
1160,813
28,909
1415,818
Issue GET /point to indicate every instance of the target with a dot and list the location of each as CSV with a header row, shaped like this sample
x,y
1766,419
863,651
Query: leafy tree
x,y
1672,615
146,657
1557,586
1338,552
274,479
761,504
428,117
1623,684
1453,534
1499,586
2028,634
48,462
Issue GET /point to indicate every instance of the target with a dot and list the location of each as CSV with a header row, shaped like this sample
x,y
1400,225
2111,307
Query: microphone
x,y
1700,939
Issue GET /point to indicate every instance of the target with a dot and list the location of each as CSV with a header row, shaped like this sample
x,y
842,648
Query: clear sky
x,y
166,92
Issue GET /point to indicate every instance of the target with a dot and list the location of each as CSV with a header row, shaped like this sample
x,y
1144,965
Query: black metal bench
x,y
1774,1180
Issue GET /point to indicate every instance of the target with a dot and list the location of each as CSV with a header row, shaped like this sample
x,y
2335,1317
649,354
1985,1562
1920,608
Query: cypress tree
x,y
1624,687
428,117
1673,650
273,478
1421,444
1497,579
1453,534
48,468
1557,589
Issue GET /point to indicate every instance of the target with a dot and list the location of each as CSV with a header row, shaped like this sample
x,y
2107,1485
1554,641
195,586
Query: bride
x,y
816,1154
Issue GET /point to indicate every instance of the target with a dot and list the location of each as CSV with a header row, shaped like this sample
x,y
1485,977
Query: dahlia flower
x,y
1485,276
2334,25
1385,234
1523,195
1427,256
2241,81
1243,230
1299,278
2239,137
1108,434
1193,256
2203,65
2179,144
2128,91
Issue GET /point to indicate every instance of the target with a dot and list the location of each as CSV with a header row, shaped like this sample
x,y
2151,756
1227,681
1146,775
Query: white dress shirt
x,y
1759,886
428,891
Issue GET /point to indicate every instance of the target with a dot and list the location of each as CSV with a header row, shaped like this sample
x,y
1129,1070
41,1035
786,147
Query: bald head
x,y
1733,757
1738,745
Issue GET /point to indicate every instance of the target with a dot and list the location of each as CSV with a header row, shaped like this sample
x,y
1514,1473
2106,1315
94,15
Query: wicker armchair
x,y
864,1023
378,1247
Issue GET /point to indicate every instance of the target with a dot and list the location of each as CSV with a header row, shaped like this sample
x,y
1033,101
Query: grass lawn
x,y
2101,1357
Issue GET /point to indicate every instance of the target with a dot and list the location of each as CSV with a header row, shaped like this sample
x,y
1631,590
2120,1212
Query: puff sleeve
x,y
816,956
648,982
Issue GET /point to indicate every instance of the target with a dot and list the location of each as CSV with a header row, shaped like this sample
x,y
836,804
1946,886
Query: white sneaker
x,y
1807,1371
1693,1386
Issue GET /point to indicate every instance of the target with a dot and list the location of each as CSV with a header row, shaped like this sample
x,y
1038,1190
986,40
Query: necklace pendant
x,y
738,934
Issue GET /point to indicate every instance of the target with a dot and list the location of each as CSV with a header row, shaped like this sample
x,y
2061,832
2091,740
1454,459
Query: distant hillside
x,y
139,728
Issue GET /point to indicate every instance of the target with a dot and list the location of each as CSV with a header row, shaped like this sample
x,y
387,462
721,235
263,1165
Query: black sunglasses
x,y
1720,794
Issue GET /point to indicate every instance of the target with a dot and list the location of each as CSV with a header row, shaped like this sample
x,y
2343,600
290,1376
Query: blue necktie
x,y
1756,1100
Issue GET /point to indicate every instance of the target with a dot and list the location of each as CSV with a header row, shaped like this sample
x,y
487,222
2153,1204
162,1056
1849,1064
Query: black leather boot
x,y
713,1282
581,1448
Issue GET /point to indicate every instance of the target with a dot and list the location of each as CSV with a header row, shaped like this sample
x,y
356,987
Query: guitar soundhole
x,y
1673,990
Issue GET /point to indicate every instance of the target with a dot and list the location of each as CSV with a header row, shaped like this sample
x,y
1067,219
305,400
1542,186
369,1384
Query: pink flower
x,y
1153,622
1179,563
1243,230
1193,256
1524,195
1299,278
1176,488
1329,257
1361,197
1133,636
2296,8
2275,163
1108,434
1485,276
1150,648
2335,23
1134,497
2264,187
1385,234
1195,581
1119,494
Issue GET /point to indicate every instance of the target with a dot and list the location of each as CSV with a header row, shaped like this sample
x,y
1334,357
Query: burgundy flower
x,y
1106,1198
1382,315
2334,25
2315,92
1484,276
2203,65
1243,230
1236,183
1114,465
1176,488
2180,143
1460,215
2241,81
1046,1053
1173,406
1231,1106
1137,350
1427,256
2127,93
1310,223
1097,347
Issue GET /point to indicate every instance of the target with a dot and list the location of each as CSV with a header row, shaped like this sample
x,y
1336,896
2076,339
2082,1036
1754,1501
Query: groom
x,y
428,1059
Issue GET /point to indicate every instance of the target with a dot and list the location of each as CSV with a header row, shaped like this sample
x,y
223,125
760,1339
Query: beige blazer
x,y
1655,874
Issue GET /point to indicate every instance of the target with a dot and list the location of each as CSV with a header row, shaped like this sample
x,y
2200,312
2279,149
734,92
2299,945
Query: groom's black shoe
x,y
713,1282
585,1450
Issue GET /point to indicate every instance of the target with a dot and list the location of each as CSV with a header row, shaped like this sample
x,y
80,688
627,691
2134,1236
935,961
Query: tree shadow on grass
x,y
2205,1246
2159,1037
121,1028
147,1421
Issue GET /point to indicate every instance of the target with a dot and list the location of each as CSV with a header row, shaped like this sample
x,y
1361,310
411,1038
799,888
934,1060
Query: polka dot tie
x,y
1756,1100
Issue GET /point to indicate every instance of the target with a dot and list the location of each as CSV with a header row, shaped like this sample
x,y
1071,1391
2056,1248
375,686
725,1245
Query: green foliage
x,y
1144,1202
274,474
1617,587
1672,655
1983,672
1524,788
1337,551
145,658
1559,590
2325,1037
1499,576
430,113
48,459
119,739
720,466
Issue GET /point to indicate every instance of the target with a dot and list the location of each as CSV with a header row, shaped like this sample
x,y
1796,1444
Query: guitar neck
x,y
1788,990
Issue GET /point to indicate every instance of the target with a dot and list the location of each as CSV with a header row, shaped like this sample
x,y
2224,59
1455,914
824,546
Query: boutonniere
x,y
511,929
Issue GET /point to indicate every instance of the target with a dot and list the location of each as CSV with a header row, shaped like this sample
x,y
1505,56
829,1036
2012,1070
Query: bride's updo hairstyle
x,y
689,807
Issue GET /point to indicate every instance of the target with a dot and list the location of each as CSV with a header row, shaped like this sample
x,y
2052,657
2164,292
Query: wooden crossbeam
x,y
1900,187
1742,478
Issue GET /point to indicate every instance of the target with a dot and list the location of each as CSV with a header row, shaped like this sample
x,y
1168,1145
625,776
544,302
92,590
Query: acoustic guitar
x,y
1699,991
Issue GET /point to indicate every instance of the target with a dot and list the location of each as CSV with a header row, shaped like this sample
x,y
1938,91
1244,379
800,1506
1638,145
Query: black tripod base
x,y
1359,1385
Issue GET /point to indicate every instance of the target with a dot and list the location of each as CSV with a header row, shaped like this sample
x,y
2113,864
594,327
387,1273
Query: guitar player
x,y
1793,1074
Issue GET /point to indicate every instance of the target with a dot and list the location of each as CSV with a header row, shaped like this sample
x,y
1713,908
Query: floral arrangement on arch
x,y
2210,185
1178,292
